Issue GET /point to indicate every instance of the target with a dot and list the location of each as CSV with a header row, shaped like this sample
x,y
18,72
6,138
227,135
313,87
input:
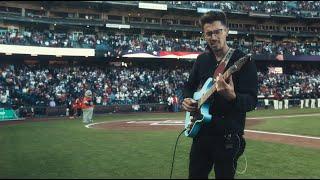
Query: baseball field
x,y
280,144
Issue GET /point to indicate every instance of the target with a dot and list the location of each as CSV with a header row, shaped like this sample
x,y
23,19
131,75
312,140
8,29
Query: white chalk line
x,y
285,116
283,134
130,121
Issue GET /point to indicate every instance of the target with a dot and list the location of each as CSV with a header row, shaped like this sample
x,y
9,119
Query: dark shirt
x,y
228,116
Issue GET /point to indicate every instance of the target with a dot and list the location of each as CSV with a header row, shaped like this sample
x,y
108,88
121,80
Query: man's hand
x,y
190,104
224,88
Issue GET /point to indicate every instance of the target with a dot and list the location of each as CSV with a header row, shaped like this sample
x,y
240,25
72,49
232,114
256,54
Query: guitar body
x,y
195,120
203,116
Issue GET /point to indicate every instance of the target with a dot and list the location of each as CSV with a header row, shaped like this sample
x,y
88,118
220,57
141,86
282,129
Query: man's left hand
x,y
224,88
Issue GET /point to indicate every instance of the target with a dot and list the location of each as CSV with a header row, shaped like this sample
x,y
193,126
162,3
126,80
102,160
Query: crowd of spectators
x,y
297,8
284,48
120,44
296,82
292,8
58,86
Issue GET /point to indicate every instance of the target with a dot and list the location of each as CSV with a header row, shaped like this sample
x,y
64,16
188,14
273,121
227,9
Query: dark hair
x,y
212,16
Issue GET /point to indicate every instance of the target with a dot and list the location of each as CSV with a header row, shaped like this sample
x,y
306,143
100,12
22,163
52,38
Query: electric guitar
x,y
193,121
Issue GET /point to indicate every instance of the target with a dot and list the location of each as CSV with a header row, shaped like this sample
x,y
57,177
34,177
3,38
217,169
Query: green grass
x,y
65,149
272,160
291,111
296,125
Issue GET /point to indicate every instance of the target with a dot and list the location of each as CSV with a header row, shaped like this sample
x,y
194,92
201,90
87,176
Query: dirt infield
x,y
168,125
163,125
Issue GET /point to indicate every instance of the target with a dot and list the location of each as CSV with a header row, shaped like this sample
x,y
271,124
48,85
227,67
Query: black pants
x,y
220,152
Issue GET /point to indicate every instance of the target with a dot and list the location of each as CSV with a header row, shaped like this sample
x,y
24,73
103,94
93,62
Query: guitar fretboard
x,y
237,65
212,89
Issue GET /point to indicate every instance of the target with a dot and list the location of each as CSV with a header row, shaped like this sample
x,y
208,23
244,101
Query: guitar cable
x,y
174,152
245,169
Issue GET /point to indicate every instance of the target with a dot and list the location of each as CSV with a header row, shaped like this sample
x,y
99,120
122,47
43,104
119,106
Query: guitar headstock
x,y
238,64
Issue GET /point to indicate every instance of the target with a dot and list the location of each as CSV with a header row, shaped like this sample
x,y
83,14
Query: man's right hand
x,y
190,104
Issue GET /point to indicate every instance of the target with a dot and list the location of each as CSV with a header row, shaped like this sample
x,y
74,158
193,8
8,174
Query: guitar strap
x,y
223,63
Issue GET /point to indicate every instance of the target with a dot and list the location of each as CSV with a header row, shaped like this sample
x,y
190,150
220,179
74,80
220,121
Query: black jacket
x,y
228,117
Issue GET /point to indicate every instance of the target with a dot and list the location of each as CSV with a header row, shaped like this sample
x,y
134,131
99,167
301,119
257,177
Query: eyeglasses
x,y
215,32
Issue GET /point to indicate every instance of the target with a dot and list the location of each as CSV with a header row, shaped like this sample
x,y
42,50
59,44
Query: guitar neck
x,y
237,65
212,89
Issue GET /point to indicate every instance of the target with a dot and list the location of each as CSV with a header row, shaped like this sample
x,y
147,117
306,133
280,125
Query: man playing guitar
x,y
220,142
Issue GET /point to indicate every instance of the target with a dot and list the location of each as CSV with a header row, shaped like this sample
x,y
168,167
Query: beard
x,y
215,47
